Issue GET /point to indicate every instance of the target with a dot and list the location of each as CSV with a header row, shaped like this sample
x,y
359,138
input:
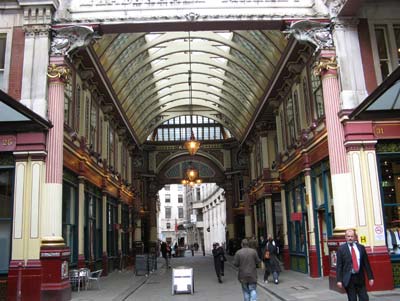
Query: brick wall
x,y
16,64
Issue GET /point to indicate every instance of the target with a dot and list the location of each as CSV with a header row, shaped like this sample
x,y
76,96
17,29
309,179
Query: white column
x,y
352,81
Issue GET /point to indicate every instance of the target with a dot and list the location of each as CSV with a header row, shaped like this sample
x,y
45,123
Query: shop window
x,y
6,210
112,227
93,225
69,216
390,194
295,202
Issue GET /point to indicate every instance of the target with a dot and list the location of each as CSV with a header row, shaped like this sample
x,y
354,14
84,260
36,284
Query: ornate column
x,y
55,285
315,267
285,255
104,257
342,184
81,222
229,204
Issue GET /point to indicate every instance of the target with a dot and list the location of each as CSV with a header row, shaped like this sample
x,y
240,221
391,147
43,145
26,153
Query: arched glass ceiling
x,y
230,72
180,129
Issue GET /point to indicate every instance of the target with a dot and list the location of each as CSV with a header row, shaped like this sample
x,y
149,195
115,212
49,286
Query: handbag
x,y
267,255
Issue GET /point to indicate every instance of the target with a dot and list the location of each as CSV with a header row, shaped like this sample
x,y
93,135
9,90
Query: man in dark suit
x,y
352,261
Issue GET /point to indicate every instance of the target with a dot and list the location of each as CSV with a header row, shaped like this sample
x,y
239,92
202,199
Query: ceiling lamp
x,y
192,145
191,176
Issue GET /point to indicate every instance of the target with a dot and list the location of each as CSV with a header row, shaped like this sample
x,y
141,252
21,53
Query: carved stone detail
x,y
68,39
316,33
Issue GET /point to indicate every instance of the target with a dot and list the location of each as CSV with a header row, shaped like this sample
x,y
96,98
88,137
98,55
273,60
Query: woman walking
x,y
219,260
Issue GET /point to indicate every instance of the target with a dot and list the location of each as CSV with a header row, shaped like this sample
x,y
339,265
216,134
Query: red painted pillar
x,y
54,253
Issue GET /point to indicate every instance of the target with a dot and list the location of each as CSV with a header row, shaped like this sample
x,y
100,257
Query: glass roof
x,y
149,73
390,100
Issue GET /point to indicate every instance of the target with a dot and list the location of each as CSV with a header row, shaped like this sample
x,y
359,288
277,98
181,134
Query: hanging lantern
x,y
192,145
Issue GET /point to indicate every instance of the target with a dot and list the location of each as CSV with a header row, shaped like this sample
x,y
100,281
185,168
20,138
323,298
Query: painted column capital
x,y
58,73
327,65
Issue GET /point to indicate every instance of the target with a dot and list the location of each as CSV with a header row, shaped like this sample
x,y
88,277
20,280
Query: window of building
x,y
198,194
168,198
77,106
318,99
386,38
6,211
3,41
291,126
180,198
180,129
167,212
168,225
180,212
180,187
68,104
94,117
167,187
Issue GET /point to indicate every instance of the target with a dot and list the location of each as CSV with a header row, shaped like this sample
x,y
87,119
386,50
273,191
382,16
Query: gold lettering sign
x,y
7,142
379,131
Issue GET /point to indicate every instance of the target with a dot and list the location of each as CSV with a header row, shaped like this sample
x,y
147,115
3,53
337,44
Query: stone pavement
x,y
125,285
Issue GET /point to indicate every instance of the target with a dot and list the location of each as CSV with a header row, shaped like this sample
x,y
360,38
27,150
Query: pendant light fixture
x,y
192,145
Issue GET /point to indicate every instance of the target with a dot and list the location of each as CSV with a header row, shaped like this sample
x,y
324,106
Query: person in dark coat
x,y
350,268
219,260
165,253
271,262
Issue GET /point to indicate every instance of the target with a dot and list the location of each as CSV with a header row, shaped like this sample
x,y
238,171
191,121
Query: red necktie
x,y
354,259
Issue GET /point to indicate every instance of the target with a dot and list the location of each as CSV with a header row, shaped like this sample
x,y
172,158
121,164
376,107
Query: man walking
x,y
246,259
352,261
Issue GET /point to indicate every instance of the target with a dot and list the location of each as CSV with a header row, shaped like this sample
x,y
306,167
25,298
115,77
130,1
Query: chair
x,y
74,279
84,274
95,277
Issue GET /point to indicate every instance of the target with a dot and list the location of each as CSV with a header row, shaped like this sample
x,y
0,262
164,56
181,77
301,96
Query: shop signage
x,y
296,216
7,143
386,130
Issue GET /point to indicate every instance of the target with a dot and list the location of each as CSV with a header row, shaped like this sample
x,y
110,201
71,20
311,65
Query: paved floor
x,y
126,286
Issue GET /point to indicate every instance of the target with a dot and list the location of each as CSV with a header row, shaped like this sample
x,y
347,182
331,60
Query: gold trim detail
x,y
53,242
58,71
325,63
